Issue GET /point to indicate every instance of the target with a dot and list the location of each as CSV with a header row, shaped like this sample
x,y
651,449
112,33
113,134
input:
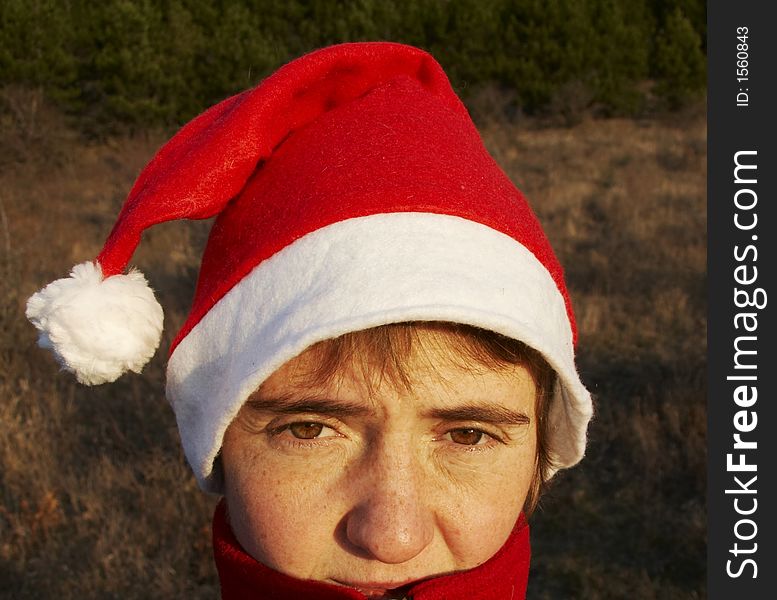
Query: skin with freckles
x,y
374,485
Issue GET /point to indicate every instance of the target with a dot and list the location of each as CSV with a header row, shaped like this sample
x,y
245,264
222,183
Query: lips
x,y
374,594
381,590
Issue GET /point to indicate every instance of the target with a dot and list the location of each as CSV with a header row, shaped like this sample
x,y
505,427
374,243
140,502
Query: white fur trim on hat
x,y
98,328
362,273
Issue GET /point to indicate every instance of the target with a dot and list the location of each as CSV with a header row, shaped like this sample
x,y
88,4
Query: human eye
x,y
305,430
309,430
469,438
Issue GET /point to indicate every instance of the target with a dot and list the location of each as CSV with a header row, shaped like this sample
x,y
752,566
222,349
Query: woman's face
x,y
374,485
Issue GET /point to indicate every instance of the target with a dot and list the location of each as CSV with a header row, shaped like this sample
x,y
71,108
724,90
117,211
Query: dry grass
x,y
624,204
95,498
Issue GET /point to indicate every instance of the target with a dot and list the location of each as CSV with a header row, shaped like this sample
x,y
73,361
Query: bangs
x,y
382,354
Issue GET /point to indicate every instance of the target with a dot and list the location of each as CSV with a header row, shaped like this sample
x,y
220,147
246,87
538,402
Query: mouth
x,y
380,590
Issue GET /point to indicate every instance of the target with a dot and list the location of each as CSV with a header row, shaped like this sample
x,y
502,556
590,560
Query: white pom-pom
x,y
98,328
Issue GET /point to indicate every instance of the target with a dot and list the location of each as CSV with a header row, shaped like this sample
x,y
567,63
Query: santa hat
x,y
351,190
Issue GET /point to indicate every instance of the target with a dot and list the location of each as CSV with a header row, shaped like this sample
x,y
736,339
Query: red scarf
x,y
502,577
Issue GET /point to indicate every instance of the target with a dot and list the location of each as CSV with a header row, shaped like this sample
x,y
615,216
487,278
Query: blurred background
x,y
594,108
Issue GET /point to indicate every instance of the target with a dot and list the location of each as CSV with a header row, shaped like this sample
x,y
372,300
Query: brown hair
x,y
381,353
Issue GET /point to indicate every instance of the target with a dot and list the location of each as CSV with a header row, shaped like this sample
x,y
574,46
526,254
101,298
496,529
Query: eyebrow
x,y
480,412
289,405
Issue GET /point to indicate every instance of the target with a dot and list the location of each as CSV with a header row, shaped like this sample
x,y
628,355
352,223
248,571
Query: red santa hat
x,y
351,190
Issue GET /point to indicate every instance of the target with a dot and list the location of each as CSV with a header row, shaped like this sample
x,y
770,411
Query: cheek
x,y
480,513
269,513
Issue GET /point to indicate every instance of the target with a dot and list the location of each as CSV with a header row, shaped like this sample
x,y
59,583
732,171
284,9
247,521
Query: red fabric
x,y
502,577
346,131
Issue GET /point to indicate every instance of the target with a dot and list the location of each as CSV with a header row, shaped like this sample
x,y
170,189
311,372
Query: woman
x,y
378,368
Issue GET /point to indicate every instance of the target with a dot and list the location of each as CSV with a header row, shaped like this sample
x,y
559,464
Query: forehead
x,y
431,372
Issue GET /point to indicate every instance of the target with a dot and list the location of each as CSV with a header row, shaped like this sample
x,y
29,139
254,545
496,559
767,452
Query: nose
x,y
392,520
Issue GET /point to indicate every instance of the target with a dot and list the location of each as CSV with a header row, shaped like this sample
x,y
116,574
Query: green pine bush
x,y
680,62
134,63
